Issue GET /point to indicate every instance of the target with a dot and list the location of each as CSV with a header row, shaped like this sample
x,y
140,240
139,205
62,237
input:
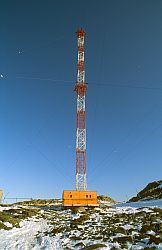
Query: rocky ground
x,y
102,228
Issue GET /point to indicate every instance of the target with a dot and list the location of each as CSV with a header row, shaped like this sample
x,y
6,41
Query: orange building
x,y
79,198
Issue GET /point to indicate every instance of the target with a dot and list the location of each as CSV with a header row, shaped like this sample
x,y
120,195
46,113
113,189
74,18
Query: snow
x,y
149,203
127,227
24,237
160,186
122,208
48,243
75,216
160,246
151,232
7,224
136,247
9,207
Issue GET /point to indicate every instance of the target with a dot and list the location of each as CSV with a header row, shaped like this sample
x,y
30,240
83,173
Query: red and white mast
x,y
80,89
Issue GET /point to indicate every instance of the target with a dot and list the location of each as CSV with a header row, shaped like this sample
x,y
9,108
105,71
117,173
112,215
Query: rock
x,y
123,239
154,239
95,246
152,191
80,244
120,230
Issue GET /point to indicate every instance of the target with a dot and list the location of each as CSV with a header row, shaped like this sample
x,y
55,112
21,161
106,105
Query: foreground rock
x,y
106,228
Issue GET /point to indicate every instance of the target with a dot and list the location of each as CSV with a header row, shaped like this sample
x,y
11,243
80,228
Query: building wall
x,y
79,198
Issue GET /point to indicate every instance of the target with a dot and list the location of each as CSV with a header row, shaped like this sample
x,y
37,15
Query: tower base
x,y
77,198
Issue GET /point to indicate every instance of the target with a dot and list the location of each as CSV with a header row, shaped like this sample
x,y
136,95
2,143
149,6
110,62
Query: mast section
x,y
80,89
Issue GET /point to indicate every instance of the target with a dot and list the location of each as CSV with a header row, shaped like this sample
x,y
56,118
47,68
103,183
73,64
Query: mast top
x,y
80,32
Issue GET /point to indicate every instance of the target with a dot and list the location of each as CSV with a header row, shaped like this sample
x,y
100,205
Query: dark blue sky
x,y
38,62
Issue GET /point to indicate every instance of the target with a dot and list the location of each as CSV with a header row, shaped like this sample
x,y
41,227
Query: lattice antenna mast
x,y
80,89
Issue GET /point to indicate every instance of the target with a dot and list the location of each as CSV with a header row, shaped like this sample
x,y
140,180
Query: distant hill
x,y
40,202
105,199
152,191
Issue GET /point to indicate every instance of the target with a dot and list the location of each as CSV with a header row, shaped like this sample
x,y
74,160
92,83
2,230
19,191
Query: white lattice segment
x,y
80,182
81,103
81,56
85,182
80,41
81,76
81,139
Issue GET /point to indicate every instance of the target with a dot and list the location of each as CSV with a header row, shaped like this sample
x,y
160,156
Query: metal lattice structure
x,y
80,89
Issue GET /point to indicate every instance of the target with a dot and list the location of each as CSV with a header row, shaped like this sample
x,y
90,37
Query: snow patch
x,y
7,224
25,237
